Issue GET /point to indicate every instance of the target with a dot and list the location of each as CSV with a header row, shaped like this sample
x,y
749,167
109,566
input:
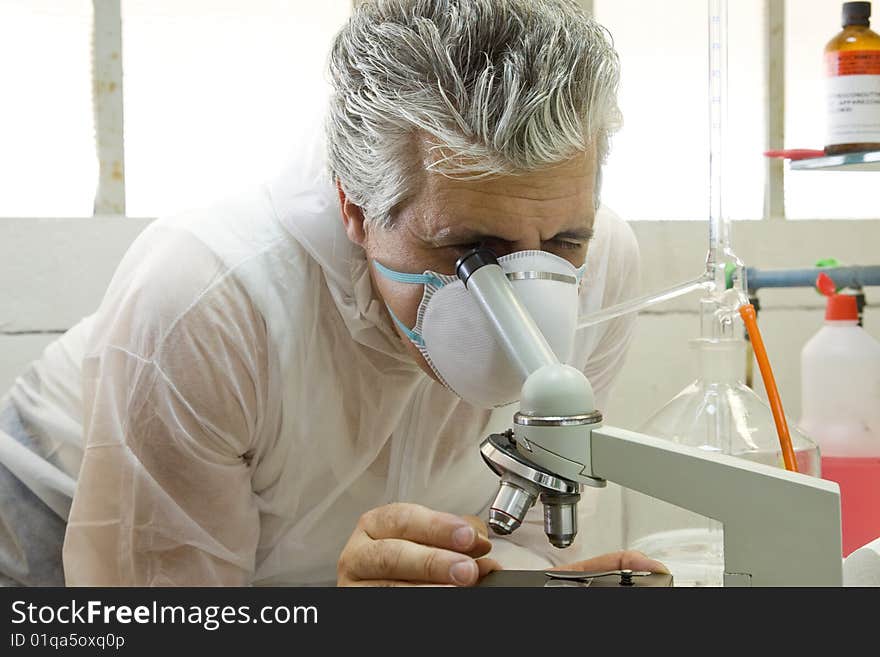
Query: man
x,y
263,399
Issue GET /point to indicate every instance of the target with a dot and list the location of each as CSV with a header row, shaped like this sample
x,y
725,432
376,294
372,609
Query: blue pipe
x,y
842,277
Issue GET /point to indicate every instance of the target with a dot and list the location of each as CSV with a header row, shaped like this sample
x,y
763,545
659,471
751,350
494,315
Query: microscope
x,y
780,528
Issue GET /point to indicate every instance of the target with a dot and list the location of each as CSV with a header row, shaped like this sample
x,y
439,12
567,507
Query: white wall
x,y
54,271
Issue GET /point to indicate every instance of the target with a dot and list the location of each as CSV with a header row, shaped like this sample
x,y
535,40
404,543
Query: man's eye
x,y
464,248
567,244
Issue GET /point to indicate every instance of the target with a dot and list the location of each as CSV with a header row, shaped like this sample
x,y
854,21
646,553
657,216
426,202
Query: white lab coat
x,y
240,398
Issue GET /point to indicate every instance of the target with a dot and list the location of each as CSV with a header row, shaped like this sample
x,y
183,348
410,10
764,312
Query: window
x,y
658,168
662,150
214,92
48,165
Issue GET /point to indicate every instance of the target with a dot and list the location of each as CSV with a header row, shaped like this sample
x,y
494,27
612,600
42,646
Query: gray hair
x,y
465,88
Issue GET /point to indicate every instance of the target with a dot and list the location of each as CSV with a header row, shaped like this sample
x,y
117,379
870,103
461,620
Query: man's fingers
x,y
486,566
625,559
409,543
394,583
397,559
482,545
413,522
634,560
478,525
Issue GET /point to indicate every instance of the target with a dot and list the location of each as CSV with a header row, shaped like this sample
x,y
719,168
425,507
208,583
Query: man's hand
x,y
623,560
411,545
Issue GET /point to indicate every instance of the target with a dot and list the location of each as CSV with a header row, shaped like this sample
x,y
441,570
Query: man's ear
x,y
352,218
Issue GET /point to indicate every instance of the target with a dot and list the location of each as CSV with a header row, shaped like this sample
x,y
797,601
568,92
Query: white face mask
x,y
457,340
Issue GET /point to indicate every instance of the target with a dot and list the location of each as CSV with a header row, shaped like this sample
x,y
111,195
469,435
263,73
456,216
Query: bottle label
x,y
853,92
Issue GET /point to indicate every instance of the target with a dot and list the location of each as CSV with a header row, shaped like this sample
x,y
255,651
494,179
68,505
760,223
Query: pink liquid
x,y
859,481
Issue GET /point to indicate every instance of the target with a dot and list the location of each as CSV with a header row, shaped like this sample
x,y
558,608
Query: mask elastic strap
x,y
425,279
412,335
401,277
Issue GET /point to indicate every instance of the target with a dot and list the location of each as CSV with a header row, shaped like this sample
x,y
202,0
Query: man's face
x,y
550,210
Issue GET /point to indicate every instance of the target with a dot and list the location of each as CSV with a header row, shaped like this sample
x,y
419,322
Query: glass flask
x,y
718,413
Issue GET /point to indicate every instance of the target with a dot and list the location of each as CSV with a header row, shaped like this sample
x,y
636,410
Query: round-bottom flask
x,y
718,413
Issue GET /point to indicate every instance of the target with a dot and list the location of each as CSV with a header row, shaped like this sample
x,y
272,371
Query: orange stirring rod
x,y
750,318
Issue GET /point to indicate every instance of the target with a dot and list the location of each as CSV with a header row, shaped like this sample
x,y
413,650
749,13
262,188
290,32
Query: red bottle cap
x,y
842,307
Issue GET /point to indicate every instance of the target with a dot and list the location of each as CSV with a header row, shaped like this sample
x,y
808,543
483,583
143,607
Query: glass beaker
x,y
718,413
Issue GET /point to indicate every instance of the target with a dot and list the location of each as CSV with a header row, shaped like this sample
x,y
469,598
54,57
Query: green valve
x,y
827,262
729,270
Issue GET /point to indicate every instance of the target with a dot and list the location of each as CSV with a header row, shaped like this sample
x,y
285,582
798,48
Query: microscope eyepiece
x,y
473,260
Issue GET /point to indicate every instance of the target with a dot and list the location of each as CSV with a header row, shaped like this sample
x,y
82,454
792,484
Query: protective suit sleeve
x,y
173,385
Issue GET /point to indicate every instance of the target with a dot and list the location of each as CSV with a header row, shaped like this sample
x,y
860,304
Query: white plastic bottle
x,y
840,411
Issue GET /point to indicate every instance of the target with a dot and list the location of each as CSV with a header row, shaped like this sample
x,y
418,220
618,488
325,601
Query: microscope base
x,y
538,578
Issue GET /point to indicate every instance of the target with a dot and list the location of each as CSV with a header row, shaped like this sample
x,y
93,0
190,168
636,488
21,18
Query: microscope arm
x,y
780,528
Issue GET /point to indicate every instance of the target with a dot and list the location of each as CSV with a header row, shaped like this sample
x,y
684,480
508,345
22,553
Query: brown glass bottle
x,y
852,61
